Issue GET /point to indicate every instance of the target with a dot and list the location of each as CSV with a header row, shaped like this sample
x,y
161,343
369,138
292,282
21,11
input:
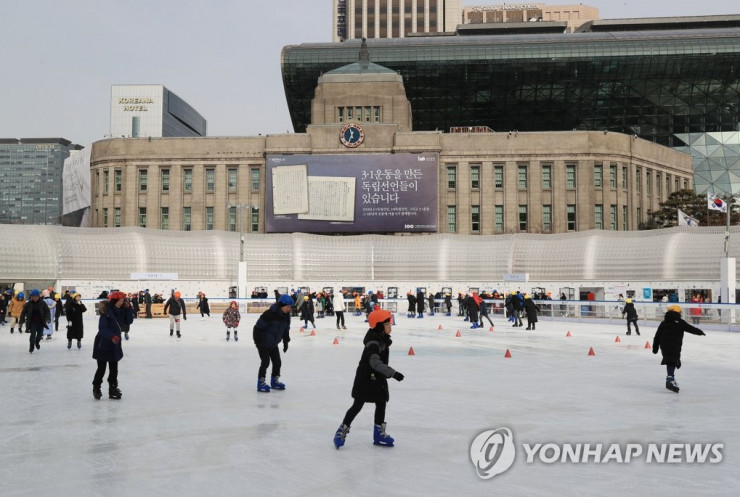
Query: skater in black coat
x,y
631,312
73,310
531,309
669,339
420,303
412,304
371,379
205,309
307,312
272,327
115,314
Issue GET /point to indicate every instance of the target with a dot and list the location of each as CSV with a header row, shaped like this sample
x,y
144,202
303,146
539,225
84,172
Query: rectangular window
x,y
599,217
522,218
498,214
613,176
638,218
210,179
613,217
340,114
677,184
475,219
451,219
142,180
570,176
187,182
117,180
165,180
377,114
648,183
638,180
232,219
97,183
106,177
522,176
142,217
232,180
546,176
498,176
209,218
475,176
598,176
659,184
164,218
116,217
685,184
570,212
451,177
667,184
105,217
624,218
254,224
368,114
350,113
255,174
624,177
187,219
547,218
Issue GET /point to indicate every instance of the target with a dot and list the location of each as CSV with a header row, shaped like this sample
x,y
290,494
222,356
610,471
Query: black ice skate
x,y
670,384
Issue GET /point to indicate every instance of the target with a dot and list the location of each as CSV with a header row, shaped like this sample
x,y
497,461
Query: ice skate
x,y
344,327
79,344
126,335
262,386
114,393
69,344
179,335
97,393
172,332
340,435
228,336
670,384
276,384
629,333
236,337
380,437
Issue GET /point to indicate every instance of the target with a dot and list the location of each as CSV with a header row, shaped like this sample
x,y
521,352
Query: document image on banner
x,y
290,189
330,198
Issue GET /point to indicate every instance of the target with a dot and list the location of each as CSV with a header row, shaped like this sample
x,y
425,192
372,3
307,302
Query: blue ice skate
x,y
421,315
262,386
276,384
380,437
340,435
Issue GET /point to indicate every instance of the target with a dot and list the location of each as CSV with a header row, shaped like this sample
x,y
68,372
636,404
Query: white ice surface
x,y
191,422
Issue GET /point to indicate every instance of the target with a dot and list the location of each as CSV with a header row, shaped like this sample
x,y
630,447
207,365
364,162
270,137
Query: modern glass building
x,y
152,111
31,179
673,81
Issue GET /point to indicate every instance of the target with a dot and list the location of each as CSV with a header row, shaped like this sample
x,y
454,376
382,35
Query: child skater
x,y
231,319
669,339
371,384
629,309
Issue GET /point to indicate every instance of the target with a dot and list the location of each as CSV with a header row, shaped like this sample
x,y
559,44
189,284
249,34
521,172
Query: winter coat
x,y
412,303
696,311
112,319
472,306
272,327
419,302
371,377
307,310
531,309
231,317
448,302
175,307
73,311
35,312
15,307
3,306
52,305
338,302
203,306
631,312
669,337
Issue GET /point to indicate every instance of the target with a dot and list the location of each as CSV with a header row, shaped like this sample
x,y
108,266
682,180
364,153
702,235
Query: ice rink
x,y
191,422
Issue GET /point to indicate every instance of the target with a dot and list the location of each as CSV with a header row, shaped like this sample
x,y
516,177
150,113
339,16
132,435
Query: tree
x,y
695,206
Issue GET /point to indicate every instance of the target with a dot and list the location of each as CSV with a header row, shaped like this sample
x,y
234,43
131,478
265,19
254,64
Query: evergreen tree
x,y
695,206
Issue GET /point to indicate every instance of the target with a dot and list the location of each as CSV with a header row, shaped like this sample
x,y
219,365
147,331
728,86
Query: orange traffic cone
x,y
313,333
440,327
647,345
490,329
336,341
568,334
302,329
591,351
411,351
458,334
508,354
617,339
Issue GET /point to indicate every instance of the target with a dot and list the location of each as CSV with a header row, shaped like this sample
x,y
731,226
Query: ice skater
x,y
371,384
231,319
37,316
669,338
307,312
272,327
73,311
338,305
107,349
176,307
203,307
530,309
15,307
631,312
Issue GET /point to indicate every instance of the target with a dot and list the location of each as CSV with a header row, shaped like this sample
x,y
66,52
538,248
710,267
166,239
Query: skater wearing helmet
x,y
271,328
36,313
668,339
115,314
15,307
629,309
231,319
371,384
176,307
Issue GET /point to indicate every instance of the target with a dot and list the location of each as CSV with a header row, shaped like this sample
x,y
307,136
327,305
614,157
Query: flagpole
x,y
727,229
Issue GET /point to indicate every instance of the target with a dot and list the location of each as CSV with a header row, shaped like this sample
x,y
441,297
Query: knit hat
x,y
675,308
117,295
378,316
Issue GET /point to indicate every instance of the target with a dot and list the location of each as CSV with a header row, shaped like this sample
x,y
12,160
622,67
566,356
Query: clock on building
x,y
351,135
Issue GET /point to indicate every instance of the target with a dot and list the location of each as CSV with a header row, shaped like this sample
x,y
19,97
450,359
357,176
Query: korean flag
x,y
716,203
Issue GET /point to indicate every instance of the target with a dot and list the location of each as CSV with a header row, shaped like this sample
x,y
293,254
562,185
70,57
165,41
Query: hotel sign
x,y
134,104
485,8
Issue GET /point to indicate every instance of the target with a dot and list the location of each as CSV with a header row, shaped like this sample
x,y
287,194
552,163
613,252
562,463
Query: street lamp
x,y
241,290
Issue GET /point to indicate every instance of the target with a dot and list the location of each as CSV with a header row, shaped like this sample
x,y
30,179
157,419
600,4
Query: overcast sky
x,y
221,56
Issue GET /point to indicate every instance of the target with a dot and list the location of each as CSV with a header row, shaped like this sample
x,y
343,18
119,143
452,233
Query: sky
x,y
223,57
